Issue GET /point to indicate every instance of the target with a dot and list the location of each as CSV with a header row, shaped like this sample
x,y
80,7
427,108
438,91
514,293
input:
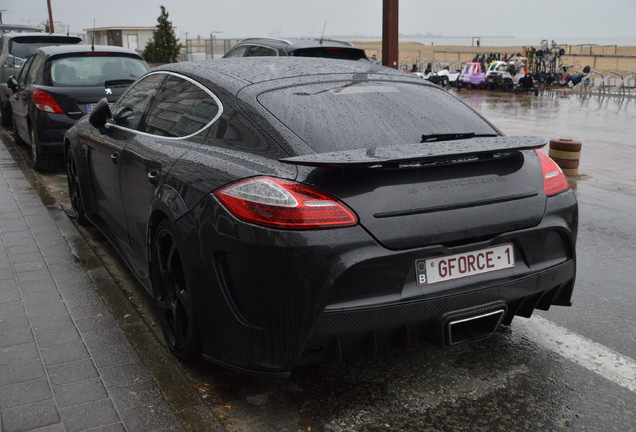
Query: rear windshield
x,y
331,52
94,69
22,47
362,114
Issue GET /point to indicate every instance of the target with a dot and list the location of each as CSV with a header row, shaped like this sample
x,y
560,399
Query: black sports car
x,y
289,211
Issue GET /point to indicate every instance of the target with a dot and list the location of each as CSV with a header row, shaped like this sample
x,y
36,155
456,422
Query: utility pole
x,y
51,28
390,33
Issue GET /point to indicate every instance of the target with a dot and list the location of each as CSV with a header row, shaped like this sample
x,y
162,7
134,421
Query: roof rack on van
x,y
268,38
336,40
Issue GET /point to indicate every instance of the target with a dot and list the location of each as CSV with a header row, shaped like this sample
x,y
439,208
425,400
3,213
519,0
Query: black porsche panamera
x,y
290,211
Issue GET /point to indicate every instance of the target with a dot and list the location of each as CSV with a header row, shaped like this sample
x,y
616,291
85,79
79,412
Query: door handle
x,y
114,158
153,177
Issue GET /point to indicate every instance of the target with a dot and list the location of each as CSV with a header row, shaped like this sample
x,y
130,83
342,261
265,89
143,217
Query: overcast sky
x,y
541,19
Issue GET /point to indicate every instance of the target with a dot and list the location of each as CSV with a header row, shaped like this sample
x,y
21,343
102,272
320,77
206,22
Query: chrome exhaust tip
x,y
463,328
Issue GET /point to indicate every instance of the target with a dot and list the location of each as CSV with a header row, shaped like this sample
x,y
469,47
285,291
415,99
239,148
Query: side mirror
x,y
12,83
100,115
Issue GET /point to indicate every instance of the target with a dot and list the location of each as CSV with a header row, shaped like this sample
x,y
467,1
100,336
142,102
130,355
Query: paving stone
x,y
104,339
134,395
34,275
23,371
122,375
65,373
25,392
16,337
47,323
89,415
61,336
65,353
114,355
47,309
13,322
97,323
30,417
19,353
36,286
9,292
11,309
24,257
79,392
40,297
26,266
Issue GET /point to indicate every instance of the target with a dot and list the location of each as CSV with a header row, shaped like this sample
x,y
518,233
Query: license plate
x,y
440,269
91,107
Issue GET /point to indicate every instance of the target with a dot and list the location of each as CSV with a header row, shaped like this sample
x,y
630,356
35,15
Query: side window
x,y
132,106
261,51
181,108
33,74
239,51
23,72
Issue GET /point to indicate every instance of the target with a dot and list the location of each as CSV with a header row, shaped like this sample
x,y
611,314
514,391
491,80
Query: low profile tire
x,y
16,135
173,296
74,190
41,161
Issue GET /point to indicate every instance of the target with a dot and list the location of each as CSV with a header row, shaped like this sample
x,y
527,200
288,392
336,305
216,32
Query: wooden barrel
x,y
566,152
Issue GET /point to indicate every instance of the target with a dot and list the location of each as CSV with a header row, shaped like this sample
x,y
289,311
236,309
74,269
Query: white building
x,y
134,38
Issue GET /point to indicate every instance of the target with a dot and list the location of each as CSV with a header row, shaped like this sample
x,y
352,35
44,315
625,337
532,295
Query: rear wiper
x,y
453,136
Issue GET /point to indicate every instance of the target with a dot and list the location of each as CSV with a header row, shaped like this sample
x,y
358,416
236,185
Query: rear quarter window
x,y
348,115
181,108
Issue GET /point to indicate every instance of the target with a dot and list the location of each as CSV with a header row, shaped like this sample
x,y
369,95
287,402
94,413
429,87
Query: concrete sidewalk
x,y
65,363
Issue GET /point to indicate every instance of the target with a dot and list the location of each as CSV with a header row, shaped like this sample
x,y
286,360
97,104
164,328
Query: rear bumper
x,y
51,129
271,300
338,334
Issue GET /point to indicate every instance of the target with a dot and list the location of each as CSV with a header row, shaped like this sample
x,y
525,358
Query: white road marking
x,y
593,356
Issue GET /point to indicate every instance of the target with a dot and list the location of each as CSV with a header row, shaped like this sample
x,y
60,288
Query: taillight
x,y
284,204
47,103
554,181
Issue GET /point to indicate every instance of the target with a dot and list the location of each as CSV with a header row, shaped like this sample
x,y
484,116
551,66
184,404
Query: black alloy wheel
x,y
42,162
74,190
173,297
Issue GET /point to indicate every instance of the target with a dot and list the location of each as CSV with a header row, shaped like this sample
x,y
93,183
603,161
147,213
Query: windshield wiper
x,y
453,136
118,82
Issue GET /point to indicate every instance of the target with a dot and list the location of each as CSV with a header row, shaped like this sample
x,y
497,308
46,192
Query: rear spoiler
x,y
434,153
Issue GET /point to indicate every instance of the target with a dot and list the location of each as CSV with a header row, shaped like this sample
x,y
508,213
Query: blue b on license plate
x,y
439,269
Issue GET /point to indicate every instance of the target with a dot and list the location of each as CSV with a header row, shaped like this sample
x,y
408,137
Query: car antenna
x,y
93,37
323,32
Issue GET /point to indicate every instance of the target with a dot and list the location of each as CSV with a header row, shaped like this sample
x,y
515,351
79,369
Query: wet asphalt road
x,y
512,381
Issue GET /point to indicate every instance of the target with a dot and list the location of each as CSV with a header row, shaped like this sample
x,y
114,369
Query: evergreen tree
x,y
163,48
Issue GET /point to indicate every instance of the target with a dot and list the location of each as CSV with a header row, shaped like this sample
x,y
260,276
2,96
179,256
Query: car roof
x,y
235,73
68,49
40,35
19,28
292,44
